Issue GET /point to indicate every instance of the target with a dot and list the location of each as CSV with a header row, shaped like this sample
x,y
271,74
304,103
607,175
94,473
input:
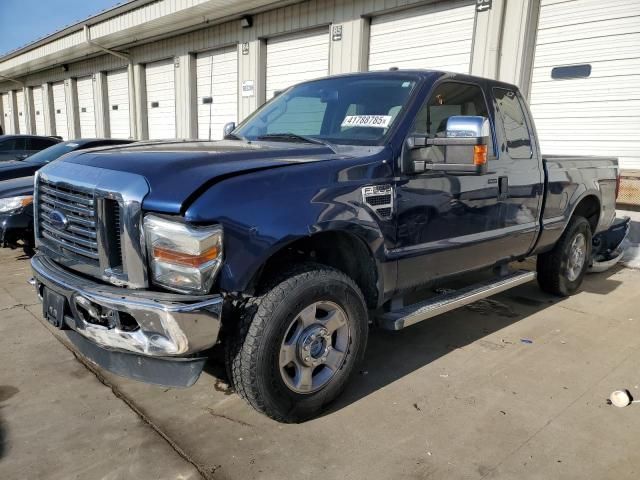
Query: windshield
x,y
357,110
49,154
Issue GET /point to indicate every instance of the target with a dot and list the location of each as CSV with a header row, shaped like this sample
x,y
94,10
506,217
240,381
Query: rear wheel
x,y
561,270
294,347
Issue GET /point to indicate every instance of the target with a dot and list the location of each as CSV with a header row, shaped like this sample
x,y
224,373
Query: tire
x,y
559,271
280,323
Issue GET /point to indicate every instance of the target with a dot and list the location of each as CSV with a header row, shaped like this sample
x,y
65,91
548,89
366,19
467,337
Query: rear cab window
x,y
514,120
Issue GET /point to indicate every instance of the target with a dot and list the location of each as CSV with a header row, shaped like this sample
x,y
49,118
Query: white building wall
x,y
22,113
38,110
7,113
13,112
47,107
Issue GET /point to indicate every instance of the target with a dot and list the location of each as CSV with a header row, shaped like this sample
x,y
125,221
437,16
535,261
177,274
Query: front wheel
x,y
561,270
294,347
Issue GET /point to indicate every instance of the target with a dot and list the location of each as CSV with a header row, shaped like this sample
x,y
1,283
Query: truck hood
x,y
16,187
14,168
178,171
10,164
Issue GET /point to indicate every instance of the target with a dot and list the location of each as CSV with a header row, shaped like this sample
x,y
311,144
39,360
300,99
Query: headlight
x,y
183,257
14,203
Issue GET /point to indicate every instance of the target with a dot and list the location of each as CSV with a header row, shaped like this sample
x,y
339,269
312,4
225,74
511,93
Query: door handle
x,y
503,188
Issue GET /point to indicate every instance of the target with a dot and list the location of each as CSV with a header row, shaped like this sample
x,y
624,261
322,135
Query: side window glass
x,y
39,143
20,145
515,124
8,145
450,99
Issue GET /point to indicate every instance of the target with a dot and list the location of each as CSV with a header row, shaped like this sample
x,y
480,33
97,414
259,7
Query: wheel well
x,y
589,208
340,250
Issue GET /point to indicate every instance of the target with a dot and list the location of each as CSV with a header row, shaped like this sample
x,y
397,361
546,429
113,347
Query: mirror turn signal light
x,y
185,259
479,154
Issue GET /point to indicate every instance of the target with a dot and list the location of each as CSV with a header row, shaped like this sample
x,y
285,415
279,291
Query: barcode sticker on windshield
x,y
376,121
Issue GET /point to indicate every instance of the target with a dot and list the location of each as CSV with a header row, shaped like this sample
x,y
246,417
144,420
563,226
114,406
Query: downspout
x,y
25,99
132,83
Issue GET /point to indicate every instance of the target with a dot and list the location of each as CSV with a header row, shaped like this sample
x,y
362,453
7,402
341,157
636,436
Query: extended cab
x,y
315,217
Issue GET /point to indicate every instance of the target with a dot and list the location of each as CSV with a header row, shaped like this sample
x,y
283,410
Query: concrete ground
x,y
510,387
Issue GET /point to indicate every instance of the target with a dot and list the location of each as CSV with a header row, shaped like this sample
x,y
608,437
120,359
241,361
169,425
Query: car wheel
x,y
561,270
294,347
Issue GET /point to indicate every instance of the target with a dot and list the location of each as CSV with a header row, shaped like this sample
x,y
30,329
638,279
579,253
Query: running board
x,y
417,312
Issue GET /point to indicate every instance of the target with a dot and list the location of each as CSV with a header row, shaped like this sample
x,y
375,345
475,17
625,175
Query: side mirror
x,y
465,147
228,128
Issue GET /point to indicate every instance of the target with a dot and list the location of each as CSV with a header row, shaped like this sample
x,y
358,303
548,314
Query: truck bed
x,y
566,178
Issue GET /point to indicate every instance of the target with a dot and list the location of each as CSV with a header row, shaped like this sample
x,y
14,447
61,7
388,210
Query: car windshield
x,y
49,154
349,110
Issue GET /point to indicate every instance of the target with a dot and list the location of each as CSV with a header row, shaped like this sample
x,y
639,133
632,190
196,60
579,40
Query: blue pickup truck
x,y
322,214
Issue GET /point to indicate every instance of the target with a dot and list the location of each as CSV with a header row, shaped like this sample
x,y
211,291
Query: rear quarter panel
x,y
570,179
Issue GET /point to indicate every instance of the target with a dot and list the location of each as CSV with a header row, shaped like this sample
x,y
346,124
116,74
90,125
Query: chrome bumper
x,y
142,322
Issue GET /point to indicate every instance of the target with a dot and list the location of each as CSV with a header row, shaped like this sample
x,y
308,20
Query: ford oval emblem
x,y
58,220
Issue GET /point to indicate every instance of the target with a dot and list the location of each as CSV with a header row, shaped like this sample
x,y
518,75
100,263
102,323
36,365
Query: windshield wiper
x,y
236,136
295,136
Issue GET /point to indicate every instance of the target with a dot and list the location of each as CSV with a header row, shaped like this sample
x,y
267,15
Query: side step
x,y
417,312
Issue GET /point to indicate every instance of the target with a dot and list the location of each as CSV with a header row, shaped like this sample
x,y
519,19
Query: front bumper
x,y
147,335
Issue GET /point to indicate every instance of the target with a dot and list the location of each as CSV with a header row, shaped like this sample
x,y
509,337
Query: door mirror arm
x,y
465,147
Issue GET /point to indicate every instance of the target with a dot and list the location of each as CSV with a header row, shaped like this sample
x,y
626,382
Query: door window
x,y
40,143
449,99
515,124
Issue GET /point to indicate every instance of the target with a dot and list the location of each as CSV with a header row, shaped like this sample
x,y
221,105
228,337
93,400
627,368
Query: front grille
x,y
117,227
78,235
88,219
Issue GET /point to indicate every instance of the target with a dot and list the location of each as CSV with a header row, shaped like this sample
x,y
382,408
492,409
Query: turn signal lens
x,y
479,154
178,258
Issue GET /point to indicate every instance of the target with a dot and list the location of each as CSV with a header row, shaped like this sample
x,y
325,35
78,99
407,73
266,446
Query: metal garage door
x,y
6,113
22,113
585,91
86,109
295,58
38,111
217,91
60,110
161,99
436,36
118,95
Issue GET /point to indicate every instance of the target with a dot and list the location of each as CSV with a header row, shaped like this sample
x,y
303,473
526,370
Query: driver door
x,y
446,220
